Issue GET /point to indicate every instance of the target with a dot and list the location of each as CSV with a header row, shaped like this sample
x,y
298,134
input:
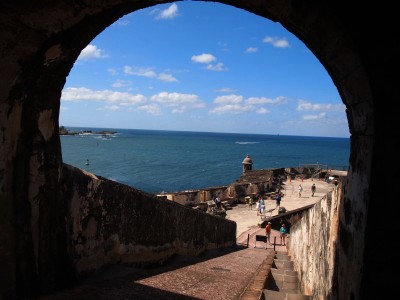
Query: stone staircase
x,y
282,283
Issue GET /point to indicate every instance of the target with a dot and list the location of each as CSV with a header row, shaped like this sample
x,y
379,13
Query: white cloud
x,y
111,107
174,98
169,13
251,50
232,109
121,83
149,73
207,58
306,105
204,58
231,99
262,111
85,94
217,67
234,104
263,100
64,108
166,77
276,42
91,52
179,102
144,72
152,109
314,117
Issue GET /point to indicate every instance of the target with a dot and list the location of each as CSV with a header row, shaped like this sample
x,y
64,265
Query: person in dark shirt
x,y
278,199
218,202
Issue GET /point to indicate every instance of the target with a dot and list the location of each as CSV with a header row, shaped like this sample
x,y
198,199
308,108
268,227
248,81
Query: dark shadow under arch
x,y
40,43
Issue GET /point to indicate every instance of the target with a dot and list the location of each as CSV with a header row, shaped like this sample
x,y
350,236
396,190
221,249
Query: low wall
x,y
110,223
313,245
235,192
289,218
255,181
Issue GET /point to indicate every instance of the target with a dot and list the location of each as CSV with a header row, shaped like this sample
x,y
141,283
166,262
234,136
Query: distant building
x,y
250,182
247,164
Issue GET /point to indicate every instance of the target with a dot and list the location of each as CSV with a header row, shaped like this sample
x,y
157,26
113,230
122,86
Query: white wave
x,y
246,143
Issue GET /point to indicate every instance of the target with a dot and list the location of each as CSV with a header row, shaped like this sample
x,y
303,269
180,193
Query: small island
x,y
64,131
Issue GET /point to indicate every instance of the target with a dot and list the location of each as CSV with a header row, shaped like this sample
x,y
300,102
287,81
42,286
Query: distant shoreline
x,y
65,131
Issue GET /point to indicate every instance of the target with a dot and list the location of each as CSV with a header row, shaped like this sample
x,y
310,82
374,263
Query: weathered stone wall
x,y
313,247
108,222
255,181
41,40
195,197
236,191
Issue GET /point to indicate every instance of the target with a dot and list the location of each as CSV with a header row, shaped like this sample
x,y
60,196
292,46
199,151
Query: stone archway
x,y
40,43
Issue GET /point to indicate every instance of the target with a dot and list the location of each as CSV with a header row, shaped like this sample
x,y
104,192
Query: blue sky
x,y
198,66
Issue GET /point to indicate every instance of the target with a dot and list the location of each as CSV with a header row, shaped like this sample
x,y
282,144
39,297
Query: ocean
x,y
155,160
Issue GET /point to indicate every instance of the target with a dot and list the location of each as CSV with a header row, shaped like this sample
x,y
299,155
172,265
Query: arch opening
x,y
35,72
220,82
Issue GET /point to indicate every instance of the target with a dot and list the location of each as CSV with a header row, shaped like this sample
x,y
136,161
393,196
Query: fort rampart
x,y
110,223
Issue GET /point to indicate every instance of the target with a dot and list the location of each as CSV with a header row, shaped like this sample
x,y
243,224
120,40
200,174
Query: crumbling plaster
x,y
111,223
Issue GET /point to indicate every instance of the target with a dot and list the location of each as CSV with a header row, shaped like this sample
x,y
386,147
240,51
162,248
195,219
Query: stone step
x,y
282,255
283,264
283,281
274,295
284,272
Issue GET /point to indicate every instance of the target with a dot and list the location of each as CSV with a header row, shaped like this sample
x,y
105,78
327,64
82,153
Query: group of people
x,y
260,205
260,202
282,233
300,189
283,230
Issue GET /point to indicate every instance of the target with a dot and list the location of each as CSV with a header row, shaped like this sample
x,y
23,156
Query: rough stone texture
x,y
40,41
313,245
259,182
112,223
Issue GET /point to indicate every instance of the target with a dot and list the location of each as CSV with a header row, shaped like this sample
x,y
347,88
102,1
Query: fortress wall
x,y
195,197
109,223
313,246
236,191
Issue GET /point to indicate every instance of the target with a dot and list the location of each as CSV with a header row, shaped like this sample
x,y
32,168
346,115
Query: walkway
x,y
247,219
216,275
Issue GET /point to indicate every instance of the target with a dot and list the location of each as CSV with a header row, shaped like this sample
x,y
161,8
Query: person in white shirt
x,y
300,189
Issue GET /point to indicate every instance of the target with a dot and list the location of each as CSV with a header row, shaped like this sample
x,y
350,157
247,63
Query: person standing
x,y
218,202
278,200
262,206
258,207
283,233
300,189
251,200
313,188
268,233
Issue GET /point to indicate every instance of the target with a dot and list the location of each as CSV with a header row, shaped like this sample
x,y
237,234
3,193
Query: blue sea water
x,y
156,160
